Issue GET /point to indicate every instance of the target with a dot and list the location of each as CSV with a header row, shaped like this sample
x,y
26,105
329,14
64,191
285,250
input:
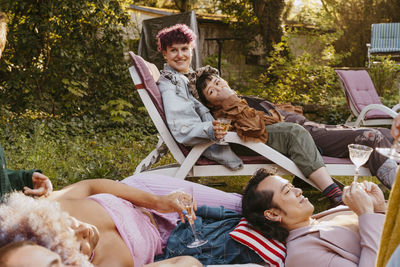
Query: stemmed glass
x,y
225,123
359,155
393,152
187,201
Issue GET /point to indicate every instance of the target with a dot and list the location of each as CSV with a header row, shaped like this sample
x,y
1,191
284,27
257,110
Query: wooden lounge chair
x,y
385,40
189,160
363,100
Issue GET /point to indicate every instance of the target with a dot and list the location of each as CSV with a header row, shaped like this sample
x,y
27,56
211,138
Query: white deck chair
x,y
189,161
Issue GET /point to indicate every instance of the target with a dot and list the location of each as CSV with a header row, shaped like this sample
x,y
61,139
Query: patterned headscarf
x,y
192,76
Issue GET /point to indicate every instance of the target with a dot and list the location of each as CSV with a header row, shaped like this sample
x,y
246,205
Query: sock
x,y
387,173
333,192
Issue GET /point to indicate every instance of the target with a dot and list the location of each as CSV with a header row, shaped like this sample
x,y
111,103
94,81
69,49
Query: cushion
x,y
385,38
361,91
147,74
271,251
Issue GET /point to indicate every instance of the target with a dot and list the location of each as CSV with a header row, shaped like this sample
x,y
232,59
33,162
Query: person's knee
x,y
371,137
190,261
180,261
298,131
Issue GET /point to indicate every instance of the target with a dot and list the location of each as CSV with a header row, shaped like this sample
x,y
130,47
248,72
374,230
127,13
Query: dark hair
x,y
201,84
3,30
255,202
177,34
7,249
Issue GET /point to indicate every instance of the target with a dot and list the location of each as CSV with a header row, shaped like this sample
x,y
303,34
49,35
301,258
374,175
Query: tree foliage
x,y
353,19
256,17
64,56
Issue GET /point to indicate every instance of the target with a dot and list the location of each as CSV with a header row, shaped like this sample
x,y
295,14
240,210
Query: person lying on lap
x,y
251,117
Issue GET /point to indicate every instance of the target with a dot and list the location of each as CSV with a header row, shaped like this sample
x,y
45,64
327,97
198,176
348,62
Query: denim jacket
x,y
189,121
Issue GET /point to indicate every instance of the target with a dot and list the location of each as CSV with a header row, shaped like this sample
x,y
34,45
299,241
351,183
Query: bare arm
x,y
85,188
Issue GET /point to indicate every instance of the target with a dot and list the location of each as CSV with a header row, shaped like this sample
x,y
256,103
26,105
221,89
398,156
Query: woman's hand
x,y
357,199
171,203
376,194
218,130
41,185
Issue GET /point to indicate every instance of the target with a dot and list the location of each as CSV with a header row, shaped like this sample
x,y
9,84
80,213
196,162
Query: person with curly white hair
x,y
43,222
105,222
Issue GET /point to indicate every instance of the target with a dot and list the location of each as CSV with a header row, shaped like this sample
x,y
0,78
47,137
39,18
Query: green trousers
x,y
295,142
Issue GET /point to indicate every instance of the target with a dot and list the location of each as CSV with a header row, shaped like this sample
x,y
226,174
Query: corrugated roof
x,y
166,12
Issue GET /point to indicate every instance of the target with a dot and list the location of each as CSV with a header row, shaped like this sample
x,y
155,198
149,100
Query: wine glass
x,y
187,201
225,123
359,154
393,152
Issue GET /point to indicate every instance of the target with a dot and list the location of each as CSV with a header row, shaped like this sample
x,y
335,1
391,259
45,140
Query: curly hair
x,y
177,34
42,222
3,31
255,202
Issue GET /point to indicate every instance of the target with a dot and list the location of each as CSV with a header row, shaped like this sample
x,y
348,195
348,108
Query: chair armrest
x,y
380,107
396,107
191,159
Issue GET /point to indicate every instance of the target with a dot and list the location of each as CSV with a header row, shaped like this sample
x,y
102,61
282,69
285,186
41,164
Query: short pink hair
x,y
177,34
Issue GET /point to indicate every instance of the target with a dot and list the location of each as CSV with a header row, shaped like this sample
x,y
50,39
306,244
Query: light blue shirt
x,y
189,121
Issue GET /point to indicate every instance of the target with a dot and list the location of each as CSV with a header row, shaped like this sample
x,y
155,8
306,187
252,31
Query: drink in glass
x,y
225,123
187,201
359,155
393,152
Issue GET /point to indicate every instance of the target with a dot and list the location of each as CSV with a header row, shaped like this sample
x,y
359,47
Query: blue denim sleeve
x,y
185,124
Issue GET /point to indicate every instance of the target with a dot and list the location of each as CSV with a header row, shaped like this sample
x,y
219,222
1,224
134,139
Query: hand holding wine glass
x,y
359,155
223,125
187,201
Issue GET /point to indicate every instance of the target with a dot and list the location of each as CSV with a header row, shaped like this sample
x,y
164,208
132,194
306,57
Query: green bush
x,y
303,81
65,57
386,78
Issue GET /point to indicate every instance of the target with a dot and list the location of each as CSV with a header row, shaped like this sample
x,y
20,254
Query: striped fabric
x,y
385,37
271,251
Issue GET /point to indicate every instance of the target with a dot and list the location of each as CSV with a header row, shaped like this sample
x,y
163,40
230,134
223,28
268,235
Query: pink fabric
x,y
204,195
361,91
327,245
148,82
163,185
135,228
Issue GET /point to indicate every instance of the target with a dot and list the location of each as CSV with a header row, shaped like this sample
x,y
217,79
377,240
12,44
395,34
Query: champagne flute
x,y
359,155
225,123
393,152
187,201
